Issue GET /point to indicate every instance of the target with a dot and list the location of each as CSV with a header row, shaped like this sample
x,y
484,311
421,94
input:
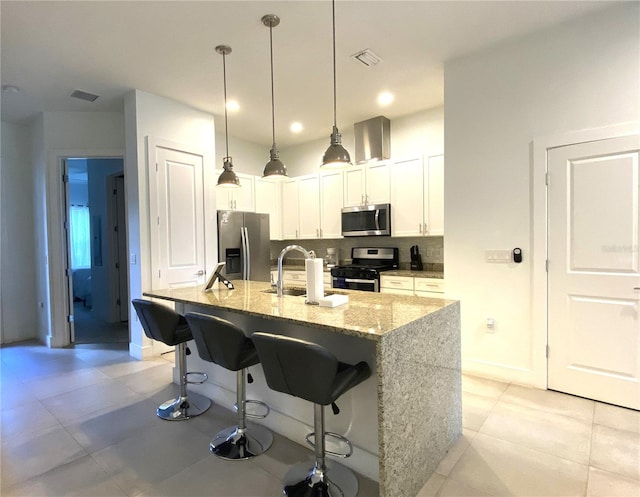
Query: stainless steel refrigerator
x,y
243,243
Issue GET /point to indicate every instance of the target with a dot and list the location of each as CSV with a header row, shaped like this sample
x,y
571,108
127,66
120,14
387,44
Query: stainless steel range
x,y
364,271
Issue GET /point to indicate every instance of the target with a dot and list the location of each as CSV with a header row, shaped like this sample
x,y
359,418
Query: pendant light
x,y
274,169
336,155
228,178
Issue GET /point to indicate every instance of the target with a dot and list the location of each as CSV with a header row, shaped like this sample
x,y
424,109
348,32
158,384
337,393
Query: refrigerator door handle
x,y
247,254
243,240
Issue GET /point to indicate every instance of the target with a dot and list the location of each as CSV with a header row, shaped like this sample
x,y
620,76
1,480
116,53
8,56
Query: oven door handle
x,y
353,280
377,217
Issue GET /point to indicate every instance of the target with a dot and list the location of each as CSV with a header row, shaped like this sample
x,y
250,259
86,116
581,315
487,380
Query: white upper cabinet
x,y
366,184
331,202
237,199
434,206
269,201
290,220
407,198
417,197
309,206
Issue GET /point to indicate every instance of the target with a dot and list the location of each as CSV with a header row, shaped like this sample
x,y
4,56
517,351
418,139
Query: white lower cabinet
x,y
399,285
299,278
407,285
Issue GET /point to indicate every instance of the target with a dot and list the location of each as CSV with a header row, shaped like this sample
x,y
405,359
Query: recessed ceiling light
x,y
10,88
296,127
233,106
385,98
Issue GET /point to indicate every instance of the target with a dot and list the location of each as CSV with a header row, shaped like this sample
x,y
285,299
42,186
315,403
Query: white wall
x,y
248,157
18,321
148,115
421,133
579,75
57,135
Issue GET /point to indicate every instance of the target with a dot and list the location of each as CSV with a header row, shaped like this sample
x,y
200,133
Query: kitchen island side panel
x,y
419,399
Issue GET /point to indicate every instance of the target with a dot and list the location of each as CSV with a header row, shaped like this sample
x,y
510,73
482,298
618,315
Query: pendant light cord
x,y
224,75
335,120
273,112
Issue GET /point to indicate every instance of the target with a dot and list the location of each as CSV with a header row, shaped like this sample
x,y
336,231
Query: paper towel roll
x,y
315,280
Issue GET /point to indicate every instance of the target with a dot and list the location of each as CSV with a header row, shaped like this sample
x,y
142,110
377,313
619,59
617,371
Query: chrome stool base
x,y
235,444
335,481
183,407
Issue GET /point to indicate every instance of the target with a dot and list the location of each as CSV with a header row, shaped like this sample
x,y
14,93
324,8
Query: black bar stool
x,y
309,371
166,325
223,343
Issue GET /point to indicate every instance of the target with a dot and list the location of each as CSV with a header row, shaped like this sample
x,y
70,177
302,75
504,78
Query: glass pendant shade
x,y
228,178
275,169
336,155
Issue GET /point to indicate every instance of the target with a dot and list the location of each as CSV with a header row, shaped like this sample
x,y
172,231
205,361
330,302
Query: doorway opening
x,y
95,228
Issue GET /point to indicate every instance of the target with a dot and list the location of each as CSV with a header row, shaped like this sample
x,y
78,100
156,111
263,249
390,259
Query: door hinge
x,y
65,178
69,271
118,302
70,318
156,167
117,265
115,228
158,273
547,351
547,178
158,220
546,265
114,191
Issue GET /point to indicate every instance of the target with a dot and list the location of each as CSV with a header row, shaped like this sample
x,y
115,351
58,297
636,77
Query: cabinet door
x,y
377,183
434,204
354,186
268,200
309,206
407,196
244,197
331,200
290,209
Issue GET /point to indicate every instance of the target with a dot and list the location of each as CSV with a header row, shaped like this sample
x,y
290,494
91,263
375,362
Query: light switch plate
x,y
497,256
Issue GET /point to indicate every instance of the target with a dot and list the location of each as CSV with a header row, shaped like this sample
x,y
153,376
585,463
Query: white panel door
x,y
177,219
594,273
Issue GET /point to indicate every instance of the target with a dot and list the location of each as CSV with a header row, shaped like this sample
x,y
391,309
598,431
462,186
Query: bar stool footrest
x,y
251,415
205,377
335,436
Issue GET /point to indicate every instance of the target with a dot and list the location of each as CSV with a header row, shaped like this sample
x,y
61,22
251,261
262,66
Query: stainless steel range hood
x,y
373,139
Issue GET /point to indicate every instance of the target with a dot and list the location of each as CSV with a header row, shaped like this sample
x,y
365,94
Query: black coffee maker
x,y
416,259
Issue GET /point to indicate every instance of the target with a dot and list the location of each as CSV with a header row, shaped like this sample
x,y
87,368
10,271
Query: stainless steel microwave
x,y
367,220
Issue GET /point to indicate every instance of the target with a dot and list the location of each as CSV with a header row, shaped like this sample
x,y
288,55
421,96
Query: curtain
x,y
80,237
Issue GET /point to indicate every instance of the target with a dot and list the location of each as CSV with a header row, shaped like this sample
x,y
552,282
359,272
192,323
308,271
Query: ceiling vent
x,y
366,57
83,95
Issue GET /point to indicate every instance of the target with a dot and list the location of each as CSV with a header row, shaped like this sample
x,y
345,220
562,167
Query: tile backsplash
x,y
431,249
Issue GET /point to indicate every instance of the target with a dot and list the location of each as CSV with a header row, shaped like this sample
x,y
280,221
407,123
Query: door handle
x,y
200,273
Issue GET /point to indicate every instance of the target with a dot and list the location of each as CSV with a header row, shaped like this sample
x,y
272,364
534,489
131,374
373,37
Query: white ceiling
x,y
50,48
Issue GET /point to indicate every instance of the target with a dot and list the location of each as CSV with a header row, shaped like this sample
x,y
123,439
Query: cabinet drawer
x,y
397,291
397,282
429,285
295,277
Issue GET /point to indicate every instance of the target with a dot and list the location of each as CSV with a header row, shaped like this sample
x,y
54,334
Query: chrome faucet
x,y
308,254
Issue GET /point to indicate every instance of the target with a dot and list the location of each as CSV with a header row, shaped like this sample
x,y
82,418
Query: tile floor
x,y
81,422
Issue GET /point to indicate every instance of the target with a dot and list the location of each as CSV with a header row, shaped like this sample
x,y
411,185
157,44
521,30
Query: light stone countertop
x,y
368,315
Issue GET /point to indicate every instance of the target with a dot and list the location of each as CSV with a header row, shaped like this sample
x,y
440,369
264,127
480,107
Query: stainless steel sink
x,y
294,292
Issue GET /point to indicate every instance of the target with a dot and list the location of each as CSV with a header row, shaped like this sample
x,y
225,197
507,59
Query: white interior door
x,y
594,274
177,219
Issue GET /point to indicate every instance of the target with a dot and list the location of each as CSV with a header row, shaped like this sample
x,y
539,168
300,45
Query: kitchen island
x,y
403,420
